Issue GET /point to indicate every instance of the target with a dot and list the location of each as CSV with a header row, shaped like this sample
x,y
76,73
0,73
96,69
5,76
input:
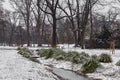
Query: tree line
x,y
57,22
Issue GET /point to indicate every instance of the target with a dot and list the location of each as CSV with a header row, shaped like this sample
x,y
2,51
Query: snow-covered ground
x,y
14,67
109,71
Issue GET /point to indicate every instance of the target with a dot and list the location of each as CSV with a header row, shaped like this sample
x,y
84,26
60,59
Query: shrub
x,y
18,48
84,54
58,54
89,66
118,63
94,57
75,60
47,53
76,57
25,52
60,57
51,53
42,52
70,55
105,58
83,57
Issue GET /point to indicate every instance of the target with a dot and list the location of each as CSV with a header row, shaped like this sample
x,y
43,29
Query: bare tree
x,y
13,23
85,15
70,13
38,17
24,7
1,1
51,5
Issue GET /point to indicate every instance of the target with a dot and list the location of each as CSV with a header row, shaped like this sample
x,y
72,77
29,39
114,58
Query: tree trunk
x,y
91,21
28,5
28,33
11,37
84,21
54,34
82,38
78,23
75,37
38,24
38,33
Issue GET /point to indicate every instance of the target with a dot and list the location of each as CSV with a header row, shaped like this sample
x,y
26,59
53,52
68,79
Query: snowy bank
x,y
15,67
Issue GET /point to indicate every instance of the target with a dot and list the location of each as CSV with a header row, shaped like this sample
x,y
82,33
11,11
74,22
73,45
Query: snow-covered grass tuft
x,y
90,66
25,52
51,53
95,56
105,58
58,54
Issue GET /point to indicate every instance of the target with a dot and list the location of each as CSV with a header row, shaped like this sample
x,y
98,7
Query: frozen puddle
x,y
14,67
68,75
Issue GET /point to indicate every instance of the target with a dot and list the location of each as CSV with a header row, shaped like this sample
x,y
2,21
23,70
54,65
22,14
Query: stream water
x,y
68,75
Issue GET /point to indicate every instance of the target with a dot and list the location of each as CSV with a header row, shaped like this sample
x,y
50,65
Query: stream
x,y
68,75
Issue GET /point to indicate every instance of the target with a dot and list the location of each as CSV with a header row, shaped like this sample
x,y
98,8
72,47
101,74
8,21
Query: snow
x,y
108,71
15,67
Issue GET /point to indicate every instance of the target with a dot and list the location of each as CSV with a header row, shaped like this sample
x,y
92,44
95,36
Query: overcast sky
x,y
7,6
100,9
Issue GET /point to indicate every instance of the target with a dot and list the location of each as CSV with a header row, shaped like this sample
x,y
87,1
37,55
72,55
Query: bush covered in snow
x,y
18,48
84,54
82,57
76,57
72,56
51,53
25,52
95,57
58,54
90,66
105,58
118,63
